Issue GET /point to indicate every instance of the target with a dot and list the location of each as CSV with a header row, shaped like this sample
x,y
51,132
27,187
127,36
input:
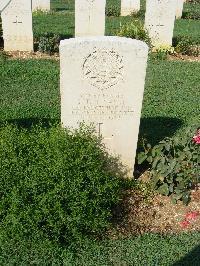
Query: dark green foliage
x,y
49,43
112,11
191,15
175,165
55,184
3,56
187,45
134,30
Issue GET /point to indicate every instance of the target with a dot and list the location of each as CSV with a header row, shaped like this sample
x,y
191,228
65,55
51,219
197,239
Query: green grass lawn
x,y
61,20
30,90
29,93
151,250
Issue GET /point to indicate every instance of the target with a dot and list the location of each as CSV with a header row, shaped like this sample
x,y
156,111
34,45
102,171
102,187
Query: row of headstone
x,y
159,17
102,78
89,19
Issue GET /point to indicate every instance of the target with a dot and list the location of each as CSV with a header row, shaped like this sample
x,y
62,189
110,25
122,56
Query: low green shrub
x,y
194,1
55,184
3,56
195,15
187,46
140,14
112,11
48,43
174,165
162,52
134,30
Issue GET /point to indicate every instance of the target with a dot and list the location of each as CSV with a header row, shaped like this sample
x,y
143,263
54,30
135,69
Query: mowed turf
x,y
29,93
61,20
150,249
30,90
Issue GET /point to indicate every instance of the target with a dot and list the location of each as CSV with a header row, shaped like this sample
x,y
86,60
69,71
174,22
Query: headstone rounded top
x,y
101,39
3,4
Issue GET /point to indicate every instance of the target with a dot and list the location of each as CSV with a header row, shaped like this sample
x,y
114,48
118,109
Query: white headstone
x,y
17,26
179,8
159,21
129,6
89,17
3,4
43,5
102,82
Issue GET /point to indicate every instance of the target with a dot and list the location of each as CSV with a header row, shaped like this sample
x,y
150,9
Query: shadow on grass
x,y
60,9
155,129
191,259
28,123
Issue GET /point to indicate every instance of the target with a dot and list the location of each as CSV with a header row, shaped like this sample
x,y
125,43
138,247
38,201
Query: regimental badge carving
x,y
103,68
90,1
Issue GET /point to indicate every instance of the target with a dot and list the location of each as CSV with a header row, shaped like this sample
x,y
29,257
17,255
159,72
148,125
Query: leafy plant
x,y
187,46
161,52
49,43
112,11
3,56
134,30
174,166
55,184
195,15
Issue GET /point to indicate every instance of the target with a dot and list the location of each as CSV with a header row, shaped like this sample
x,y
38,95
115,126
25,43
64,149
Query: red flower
x,y
196,137
191,215
184,224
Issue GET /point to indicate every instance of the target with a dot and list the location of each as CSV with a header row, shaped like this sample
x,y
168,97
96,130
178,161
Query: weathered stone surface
x,y
3,4
102,82
43,5
179,8
129,6
17,26
159,21
89,17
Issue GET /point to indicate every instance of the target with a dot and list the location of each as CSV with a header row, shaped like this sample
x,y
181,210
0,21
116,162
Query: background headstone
x,y
179,8
159,21
17,26
129,6
3,4
102,82
43,5
89,17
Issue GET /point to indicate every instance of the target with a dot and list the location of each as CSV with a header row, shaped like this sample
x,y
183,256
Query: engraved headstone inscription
x,y
102,82
4,4
129,6
179,8
159,21
89,18
17,26
43,5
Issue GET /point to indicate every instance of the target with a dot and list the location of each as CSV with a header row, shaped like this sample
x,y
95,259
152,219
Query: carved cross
x,y
160,25
17,22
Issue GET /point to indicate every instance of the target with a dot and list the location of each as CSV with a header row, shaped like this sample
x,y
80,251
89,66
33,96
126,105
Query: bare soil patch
x,y
181,57
139,214
38,55
31,55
